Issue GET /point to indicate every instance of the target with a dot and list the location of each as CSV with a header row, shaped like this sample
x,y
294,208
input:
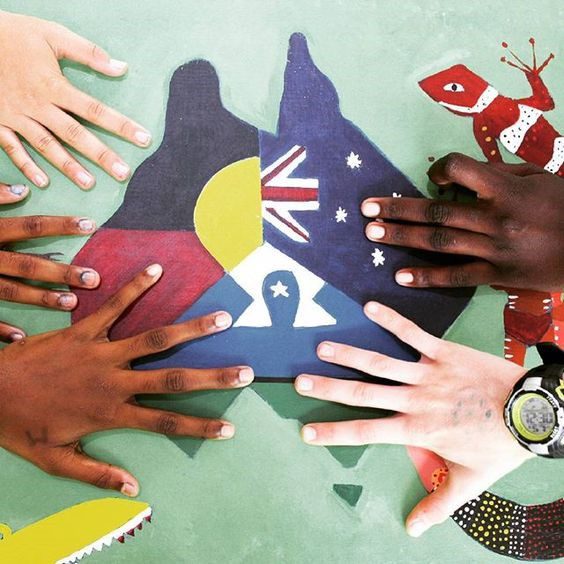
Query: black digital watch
x,y
534,411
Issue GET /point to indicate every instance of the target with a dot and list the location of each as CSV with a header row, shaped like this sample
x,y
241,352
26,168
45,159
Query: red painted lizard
x,y
519,125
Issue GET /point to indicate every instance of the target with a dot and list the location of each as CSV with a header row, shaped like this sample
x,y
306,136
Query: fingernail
x,y
416,528
86,225
222,320
376,232
118,66
371,307
404,278
16,337
130,490
246,375
40,180
309,434
85,179
89,278
66,300
143,137
121,170
18,189
227,431
304,384
371,209
154,270
326,350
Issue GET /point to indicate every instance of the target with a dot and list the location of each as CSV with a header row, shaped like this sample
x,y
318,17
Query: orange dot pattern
x,y
438,477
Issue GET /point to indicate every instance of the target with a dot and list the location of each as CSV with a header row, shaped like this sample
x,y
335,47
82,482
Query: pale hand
x,y
39,104
451,402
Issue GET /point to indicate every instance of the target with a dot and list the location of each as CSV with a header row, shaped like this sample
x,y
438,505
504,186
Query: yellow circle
x,y
228,216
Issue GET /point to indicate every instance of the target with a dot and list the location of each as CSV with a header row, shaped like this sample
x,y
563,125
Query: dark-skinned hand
x,y
513,233
59,386
15,268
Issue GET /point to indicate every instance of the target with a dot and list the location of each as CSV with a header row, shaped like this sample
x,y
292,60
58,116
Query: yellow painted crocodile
x,y
73,533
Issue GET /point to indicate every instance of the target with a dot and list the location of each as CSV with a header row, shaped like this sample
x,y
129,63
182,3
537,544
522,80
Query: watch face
x,y
537,416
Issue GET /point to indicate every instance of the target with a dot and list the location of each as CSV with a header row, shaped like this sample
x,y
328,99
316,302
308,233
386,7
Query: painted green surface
x,y
349,492
266,497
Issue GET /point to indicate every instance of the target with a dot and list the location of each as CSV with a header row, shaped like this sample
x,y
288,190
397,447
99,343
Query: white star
x,y
353,161
341,215
378,257
279,290
396,195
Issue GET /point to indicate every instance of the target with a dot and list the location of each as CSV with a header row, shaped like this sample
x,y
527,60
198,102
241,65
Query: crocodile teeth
x,y
119,534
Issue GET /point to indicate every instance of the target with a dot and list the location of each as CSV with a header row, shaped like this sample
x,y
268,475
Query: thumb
x,y
460,486
519,169
69,45
71,463
463,170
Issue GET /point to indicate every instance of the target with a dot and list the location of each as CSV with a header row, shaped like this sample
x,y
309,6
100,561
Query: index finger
x,y
102,319
34,226
469,216
164,338
466,171
403,329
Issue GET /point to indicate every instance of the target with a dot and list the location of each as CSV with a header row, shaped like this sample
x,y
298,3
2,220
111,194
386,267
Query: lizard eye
x,y
453,87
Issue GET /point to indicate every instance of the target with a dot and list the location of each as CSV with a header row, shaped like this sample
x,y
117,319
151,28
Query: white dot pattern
x,y
512,137
557,160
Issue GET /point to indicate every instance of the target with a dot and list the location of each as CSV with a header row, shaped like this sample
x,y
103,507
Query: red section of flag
x,y
118,254
289,194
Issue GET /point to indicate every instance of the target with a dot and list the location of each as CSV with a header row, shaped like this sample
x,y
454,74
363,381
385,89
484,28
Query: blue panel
x,y
280,351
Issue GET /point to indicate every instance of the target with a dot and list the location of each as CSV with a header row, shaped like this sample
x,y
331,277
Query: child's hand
x,y
514,231
14,266
39,103
57,387
452,404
